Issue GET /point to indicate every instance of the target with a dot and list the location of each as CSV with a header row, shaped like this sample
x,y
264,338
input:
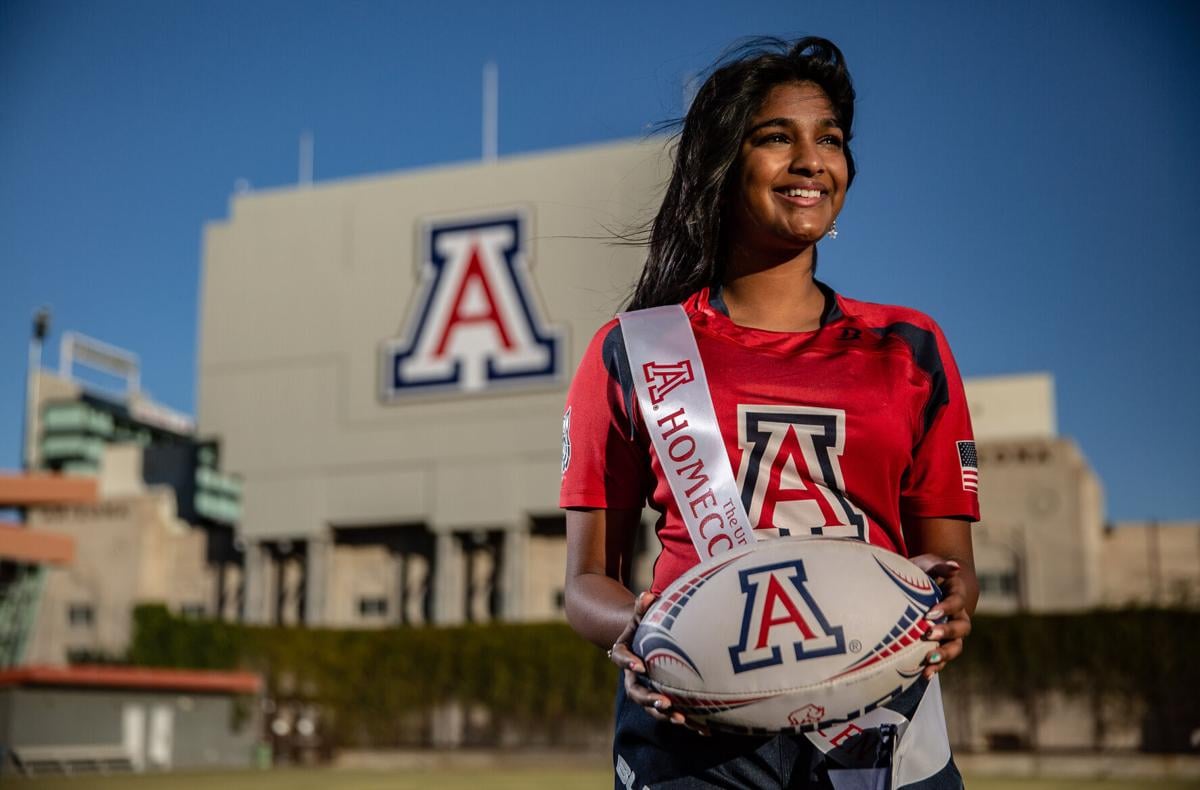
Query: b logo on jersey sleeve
x,y
475,324
781,620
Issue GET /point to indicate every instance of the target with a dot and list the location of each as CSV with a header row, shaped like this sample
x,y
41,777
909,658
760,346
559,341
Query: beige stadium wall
x,y
303,287
1042,511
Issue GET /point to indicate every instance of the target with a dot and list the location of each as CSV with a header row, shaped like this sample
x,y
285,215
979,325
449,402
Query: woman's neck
x,y
778,294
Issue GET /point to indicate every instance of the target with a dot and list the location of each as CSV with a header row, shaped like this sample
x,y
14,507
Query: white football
x,y
791,634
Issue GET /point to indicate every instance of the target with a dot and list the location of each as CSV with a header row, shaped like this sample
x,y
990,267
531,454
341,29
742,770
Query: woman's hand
x,y
956,592
655,704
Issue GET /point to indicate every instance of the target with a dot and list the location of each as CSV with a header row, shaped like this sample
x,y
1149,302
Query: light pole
x,y
41,326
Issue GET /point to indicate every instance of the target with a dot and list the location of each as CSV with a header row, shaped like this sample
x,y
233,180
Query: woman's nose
x,y
805,159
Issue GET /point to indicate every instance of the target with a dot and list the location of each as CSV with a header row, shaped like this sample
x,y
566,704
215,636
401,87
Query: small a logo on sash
x,y
662,378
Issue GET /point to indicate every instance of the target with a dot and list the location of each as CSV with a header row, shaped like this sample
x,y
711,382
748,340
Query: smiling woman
x,y
841,419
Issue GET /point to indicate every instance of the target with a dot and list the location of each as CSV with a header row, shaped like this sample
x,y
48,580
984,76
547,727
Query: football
x,y
791,634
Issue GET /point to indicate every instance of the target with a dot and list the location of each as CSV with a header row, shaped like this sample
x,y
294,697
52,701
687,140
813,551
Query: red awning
x,y
136,678
19,544
18,489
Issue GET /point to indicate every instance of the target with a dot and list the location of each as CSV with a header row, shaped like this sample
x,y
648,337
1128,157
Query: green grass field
x,y
506,779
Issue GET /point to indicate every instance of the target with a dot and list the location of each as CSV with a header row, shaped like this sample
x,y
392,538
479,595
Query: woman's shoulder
x,y
606,350
606,331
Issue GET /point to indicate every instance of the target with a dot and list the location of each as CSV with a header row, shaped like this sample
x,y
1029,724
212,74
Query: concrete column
x,y
289,581
319,556
482,568
448,604
515,556
257,572
417,587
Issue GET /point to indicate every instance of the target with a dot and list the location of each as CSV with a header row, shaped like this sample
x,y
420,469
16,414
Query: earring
x,y
832,230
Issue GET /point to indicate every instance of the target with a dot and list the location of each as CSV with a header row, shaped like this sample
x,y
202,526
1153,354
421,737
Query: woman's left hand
x,y
948,635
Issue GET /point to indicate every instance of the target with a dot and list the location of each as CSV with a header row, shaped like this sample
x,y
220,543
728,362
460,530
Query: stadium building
x,y
386,360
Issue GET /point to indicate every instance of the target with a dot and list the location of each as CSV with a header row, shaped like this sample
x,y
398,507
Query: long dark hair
x,y
687,235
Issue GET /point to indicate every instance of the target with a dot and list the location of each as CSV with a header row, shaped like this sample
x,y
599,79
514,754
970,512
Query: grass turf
x,y
503,779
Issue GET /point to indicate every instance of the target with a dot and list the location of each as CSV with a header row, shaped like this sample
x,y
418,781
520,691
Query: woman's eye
x,y
831,139
775,137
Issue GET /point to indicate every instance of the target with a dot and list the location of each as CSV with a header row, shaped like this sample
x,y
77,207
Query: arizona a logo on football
x,y
781,621
475,324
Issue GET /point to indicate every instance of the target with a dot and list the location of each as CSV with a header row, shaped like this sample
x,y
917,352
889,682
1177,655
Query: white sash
x,y
677,408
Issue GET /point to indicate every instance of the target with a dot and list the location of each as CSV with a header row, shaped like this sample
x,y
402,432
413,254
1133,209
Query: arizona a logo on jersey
x,y
791,474
781,621
475,324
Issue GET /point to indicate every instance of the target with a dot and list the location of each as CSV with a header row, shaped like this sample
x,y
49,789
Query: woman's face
x,y
792,174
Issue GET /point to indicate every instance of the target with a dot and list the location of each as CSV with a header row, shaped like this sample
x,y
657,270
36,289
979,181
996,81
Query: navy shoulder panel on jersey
x,y
616,362
924,346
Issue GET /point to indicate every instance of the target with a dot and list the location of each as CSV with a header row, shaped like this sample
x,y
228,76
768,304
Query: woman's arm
x,y
600,606
942,548
599,552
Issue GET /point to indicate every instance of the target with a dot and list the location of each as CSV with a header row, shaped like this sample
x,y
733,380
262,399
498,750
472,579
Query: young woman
x,y
762,168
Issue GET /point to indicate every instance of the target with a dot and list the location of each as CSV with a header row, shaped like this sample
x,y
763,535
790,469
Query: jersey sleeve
x,y
603,463
943,481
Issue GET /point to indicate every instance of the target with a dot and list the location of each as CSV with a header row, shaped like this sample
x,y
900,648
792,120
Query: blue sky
x,y
1027,170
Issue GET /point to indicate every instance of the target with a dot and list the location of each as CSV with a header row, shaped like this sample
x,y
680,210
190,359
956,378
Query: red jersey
x,y
843,431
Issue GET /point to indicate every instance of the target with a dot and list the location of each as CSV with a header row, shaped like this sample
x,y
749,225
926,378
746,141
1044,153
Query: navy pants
x,y
654,754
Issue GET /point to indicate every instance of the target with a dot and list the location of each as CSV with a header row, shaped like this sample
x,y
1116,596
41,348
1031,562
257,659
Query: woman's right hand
x,y
657,705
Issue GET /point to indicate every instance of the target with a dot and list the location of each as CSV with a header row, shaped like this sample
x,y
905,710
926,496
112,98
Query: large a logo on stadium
x,y
475,324
781,620
790,475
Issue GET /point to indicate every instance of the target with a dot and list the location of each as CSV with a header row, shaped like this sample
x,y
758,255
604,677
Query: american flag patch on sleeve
x,y
969,463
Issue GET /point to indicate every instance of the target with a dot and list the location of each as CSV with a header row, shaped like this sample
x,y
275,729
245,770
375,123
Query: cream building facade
x,y
386,360
161,528
132,548
1044,543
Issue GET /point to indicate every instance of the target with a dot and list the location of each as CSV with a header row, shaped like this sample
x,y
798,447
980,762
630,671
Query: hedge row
x,y
537,675
1132,665
533,676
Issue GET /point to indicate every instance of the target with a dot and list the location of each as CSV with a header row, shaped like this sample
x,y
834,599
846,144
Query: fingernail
x,y
677,718
934,658
637,666
658,704
954,563
934,635
936,614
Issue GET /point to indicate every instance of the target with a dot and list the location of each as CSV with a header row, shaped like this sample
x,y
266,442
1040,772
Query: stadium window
x,y
372,607
81,615
998,583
